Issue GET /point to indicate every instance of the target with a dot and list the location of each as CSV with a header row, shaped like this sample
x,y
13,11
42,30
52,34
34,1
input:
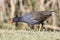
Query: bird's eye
x,y
50,14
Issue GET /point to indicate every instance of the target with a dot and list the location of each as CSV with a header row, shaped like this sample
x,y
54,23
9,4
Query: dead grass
x,y
28,35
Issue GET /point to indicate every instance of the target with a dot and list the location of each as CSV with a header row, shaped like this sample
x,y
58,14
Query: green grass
x,y
28,35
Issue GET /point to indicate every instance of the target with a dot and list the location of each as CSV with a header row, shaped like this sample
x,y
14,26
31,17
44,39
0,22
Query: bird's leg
x,y
36,27
16,25
39,27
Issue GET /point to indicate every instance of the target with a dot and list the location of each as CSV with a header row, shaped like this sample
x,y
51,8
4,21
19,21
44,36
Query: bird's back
x,y
28,18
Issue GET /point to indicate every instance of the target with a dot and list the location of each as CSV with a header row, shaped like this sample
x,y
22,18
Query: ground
x,y
28,35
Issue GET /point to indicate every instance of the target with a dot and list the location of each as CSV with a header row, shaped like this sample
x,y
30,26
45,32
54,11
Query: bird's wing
x,y
29,19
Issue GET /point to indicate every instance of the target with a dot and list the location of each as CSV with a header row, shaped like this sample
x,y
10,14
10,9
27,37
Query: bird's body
x,y
28,18
33,17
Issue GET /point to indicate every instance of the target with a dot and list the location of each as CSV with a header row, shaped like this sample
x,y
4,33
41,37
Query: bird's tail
x,y
11,20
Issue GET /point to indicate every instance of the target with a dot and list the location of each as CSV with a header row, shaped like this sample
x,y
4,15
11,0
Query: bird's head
x,y
51,12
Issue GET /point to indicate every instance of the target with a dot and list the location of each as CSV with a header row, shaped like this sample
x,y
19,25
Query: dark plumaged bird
x,y
33,17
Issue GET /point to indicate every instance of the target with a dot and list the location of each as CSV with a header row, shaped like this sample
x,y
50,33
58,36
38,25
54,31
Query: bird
x,y
36,17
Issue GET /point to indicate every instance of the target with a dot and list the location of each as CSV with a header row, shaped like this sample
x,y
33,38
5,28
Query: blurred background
x,y
12,8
